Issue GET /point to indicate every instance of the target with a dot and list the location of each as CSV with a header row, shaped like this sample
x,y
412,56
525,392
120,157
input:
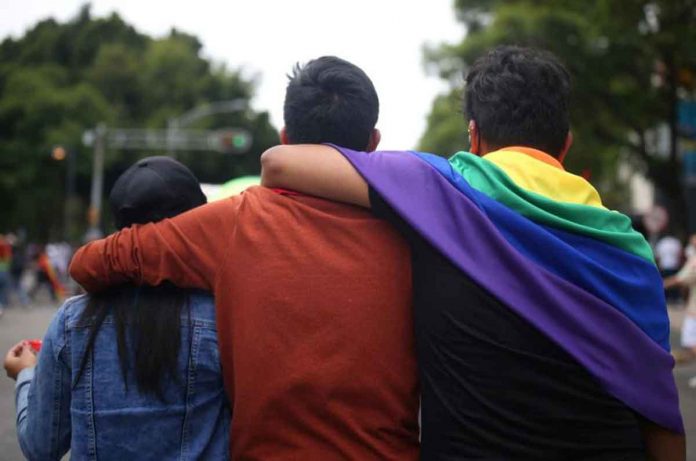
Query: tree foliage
x,y
61,79
630,59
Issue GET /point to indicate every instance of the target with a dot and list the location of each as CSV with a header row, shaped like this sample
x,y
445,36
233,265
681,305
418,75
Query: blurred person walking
x,y
17,270
59,254
46,277
669,258
146,358
5,262
686,278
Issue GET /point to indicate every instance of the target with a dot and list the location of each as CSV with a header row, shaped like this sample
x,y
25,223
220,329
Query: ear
x,y
283,136
566,146
373,142
474,138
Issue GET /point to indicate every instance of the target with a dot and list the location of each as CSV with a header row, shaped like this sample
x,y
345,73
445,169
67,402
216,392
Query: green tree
x,y
61,79
629,60
39,109
447,129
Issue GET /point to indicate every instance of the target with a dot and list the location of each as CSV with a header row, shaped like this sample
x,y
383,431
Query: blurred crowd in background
x,y
32,271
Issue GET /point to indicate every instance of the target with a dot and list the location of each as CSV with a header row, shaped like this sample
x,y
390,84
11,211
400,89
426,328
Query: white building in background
x,y
641,189
642,193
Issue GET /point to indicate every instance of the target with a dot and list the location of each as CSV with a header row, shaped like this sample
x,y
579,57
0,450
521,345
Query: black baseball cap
x,y
152,189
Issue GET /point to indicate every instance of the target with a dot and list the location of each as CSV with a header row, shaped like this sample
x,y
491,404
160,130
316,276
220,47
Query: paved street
x,y
687,395
688,404
16,324
19,323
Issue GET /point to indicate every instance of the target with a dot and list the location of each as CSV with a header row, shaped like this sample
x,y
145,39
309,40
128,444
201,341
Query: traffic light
x,y
58,153
234,141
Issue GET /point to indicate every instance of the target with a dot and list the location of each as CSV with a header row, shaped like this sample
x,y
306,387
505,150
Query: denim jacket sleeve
x,y
42,395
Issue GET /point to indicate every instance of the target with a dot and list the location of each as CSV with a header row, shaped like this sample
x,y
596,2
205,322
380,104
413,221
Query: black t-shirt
x,y
493,386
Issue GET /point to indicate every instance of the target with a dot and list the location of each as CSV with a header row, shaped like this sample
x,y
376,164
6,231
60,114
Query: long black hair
x,y
147,319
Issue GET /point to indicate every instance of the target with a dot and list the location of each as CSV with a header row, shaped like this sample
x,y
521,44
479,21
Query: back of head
x,y
519,97
330,100
152,189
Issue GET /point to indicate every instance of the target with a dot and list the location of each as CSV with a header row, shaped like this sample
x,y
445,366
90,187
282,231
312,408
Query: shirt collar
x,y
534,153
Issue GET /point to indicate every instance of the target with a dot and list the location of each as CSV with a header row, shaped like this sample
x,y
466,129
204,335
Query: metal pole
x,y
97,181
69,192
172,125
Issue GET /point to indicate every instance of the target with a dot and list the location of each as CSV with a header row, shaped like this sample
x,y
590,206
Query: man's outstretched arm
x,y
185,250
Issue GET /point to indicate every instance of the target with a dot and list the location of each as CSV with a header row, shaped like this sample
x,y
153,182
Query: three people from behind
x,y
323,289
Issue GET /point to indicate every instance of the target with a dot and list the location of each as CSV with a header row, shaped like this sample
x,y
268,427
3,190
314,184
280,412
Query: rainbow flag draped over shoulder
x,y
539,239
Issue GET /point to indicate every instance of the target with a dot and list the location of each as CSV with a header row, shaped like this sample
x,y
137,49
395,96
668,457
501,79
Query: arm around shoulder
x,y
317,170
184,250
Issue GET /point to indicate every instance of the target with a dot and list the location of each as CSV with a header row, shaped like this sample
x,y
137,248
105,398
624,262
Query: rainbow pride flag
x,y
540,240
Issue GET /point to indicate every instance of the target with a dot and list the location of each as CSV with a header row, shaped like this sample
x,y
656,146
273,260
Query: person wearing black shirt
x,y
479,362
493,386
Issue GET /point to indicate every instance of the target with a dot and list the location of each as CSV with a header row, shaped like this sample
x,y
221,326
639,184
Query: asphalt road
x,y
19,323
16,324
687,397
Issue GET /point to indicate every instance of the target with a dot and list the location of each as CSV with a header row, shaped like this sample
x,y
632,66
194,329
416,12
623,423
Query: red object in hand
x,y
35,344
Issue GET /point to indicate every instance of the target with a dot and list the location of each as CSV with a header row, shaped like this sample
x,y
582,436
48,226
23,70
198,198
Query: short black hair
x,y
519,97
330,100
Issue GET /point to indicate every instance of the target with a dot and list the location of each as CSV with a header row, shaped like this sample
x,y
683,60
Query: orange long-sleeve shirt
x,y
314,319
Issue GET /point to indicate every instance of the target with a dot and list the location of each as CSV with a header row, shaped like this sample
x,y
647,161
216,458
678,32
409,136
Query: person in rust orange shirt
x,y
313,297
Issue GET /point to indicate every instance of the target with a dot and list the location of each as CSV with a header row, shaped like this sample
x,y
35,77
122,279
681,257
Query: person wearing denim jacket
x,y
102,418
132,373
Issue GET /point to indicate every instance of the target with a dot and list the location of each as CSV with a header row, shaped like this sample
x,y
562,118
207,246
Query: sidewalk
x,y
16,324
19,323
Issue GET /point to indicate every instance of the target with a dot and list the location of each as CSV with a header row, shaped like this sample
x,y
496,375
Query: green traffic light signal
x,y
239,140
234,140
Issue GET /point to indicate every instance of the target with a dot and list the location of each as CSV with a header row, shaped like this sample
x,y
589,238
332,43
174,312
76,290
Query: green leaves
x,y
625,56
61,79
446,131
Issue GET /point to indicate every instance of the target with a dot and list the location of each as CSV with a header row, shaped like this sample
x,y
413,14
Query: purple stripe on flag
x,y
628,364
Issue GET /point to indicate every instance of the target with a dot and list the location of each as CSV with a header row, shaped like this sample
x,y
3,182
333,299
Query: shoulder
x,y
63,320
71,310
213,213
264,195
261,199
255,195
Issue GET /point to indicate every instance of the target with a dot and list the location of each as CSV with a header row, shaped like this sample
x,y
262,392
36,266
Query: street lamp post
x,y
60,154
175,126
95,202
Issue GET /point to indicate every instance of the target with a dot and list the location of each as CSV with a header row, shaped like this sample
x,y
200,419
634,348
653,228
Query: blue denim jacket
x,y
99,419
